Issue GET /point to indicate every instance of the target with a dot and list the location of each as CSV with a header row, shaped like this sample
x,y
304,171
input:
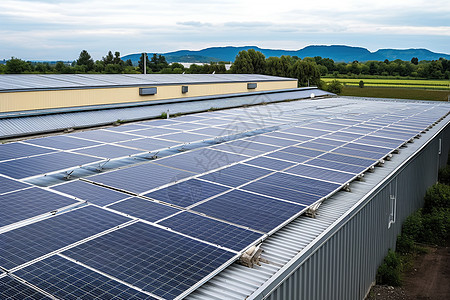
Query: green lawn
x,y
407,83
396,92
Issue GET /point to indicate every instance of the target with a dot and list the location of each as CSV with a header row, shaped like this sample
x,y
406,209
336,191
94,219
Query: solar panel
x,y
18,150
324,126
148,144
61,142
144,209
65,279
90,192
141,178
237,150
34,240
42,164
108,151
317,146
9,185
235,175
301,184
212,131
212,231
253,145
303,151
103,136
155,131
250,210
185,137
336,166
305,131
358,153
376,149
349,159
127,128
28,203
272,140
343,136
11,289
284,135
288,156
161,262
188,192
269,163
282,192
321,173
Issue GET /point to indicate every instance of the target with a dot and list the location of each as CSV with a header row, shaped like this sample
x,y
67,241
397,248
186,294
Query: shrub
x,y
361,84
436,227
335,86
390,270
437,197
405,244
413,226
444,175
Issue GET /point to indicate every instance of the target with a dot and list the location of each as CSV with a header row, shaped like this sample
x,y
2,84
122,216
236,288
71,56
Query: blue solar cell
x,y
9,185
324,126
127,128
21,205
159,122
200,161
301,184
295,137
320,173
90,192
376,149
358,153
247,209
237,150
236,175
394,135
144,209
343,136
32,241
141,178
381,142
108,151
149,144
153,259
336,166
303,151
11,289
344,121
317,146
349,159
150,132
359,129
187,192
288,156
329,142
185,137
31,166
227,180
212,231
253,145
67,280
62,142
17,150
282,192
103,136
212,132
270,163
272,140
306,131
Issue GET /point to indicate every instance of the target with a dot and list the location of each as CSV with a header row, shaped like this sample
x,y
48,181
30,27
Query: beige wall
x,y
19,101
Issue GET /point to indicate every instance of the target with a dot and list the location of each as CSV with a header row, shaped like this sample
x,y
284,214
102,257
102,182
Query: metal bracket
x,y
67,177
100,166
251,257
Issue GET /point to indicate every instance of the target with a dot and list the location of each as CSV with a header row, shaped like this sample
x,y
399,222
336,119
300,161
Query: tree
x,y
17,66
108,59
249,62
306,72
415,61
361,84
117,60
141,62
85,60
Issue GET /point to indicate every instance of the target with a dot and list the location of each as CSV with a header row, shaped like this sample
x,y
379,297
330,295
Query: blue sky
x,y
59,30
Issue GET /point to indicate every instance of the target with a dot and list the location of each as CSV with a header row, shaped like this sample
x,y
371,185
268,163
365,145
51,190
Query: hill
x,y
338,53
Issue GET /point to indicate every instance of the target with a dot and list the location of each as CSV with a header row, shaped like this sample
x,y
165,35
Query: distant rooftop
x,y
30,82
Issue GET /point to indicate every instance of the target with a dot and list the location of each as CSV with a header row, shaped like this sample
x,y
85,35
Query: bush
x,y
436,227
335,86
413,226
390,270
444,175
361,84
405,244
437,197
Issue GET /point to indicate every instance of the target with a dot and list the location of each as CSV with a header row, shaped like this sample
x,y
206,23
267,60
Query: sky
x,y
59,30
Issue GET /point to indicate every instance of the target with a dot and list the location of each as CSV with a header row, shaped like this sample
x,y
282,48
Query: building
x,y
297,199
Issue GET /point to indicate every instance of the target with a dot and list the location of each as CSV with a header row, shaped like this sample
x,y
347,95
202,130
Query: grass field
x,y
396,83
395,92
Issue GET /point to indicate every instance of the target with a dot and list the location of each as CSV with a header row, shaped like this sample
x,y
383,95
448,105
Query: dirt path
x,y
429,278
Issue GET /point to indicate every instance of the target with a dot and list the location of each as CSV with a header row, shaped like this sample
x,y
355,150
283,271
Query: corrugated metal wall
x,y
344,266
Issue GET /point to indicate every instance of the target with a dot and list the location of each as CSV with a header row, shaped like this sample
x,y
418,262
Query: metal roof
x,y
33,82
35,122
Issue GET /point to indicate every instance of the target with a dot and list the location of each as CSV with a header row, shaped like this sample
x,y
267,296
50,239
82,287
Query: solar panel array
x,y
160,228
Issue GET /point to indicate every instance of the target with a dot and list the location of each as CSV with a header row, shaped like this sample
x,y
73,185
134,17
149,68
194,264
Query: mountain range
x,y
338,53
